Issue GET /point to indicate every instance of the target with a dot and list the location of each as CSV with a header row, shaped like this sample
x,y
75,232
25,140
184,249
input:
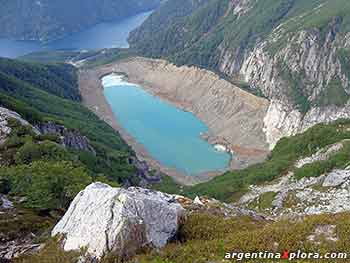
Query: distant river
x,y
103,35
170,135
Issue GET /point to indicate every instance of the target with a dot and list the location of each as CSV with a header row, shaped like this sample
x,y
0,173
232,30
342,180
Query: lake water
x,y
170,135
103,35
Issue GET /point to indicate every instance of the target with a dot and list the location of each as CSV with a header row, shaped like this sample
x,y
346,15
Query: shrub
x,y
46,185
47,150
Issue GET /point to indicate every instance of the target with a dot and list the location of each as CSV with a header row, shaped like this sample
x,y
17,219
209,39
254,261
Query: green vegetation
x,y
295,83
23,222
37,173
167,185
51,253
207,238
46,185
334,94
41,171
339,160
58,79
191,32
233,185
91,58
264,201
38,105
57,19
208,33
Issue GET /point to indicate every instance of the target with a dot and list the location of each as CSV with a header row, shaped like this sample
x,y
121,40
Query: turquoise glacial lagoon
x,y
169,134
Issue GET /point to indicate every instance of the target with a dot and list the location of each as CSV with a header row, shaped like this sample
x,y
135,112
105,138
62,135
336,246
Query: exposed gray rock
x,y
69,138
320,155
5,203
105,219
5,130
336,178
279,199
144,172
309,56
14,250
328,193
283,120
327,232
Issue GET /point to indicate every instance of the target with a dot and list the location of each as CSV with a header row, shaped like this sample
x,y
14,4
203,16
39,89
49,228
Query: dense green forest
x,y
58,79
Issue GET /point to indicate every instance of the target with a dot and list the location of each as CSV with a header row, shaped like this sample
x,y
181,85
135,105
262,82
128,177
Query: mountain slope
x,y
58,79
39,104
293,52
47,19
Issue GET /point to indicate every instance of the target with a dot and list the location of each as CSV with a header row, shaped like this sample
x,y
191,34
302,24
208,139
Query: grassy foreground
x,y
207,238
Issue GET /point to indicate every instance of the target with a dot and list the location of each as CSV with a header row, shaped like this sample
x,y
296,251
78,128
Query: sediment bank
x,y
234,117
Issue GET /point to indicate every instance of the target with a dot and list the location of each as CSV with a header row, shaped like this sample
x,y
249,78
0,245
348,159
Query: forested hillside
x,y
49,19
39,94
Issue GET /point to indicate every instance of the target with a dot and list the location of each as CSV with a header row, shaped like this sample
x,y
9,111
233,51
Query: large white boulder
x,y
103,219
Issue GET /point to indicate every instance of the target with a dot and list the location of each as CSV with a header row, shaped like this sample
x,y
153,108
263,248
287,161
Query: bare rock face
x,y
5,115
70,139
336,178
283,120
105,219
310,60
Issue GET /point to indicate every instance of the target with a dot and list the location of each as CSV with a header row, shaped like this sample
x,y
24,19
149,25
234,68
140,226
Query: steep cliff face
x,y
306,79
293,52
47,19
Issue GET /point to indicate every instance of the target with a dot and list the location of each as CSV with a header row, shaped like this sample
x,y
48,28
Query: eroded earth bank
x,y
235,118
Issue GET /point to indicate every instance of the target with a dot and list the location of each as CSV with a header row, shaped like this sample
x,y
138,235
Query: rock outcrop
x,y
321,155
104,219
328,193
70,139
336,178
5,116
305,78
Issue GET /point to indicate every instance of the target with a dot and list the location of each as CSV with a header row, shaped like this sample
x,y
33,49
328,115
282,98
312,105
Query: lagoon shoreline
x,y
90,83
91,88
